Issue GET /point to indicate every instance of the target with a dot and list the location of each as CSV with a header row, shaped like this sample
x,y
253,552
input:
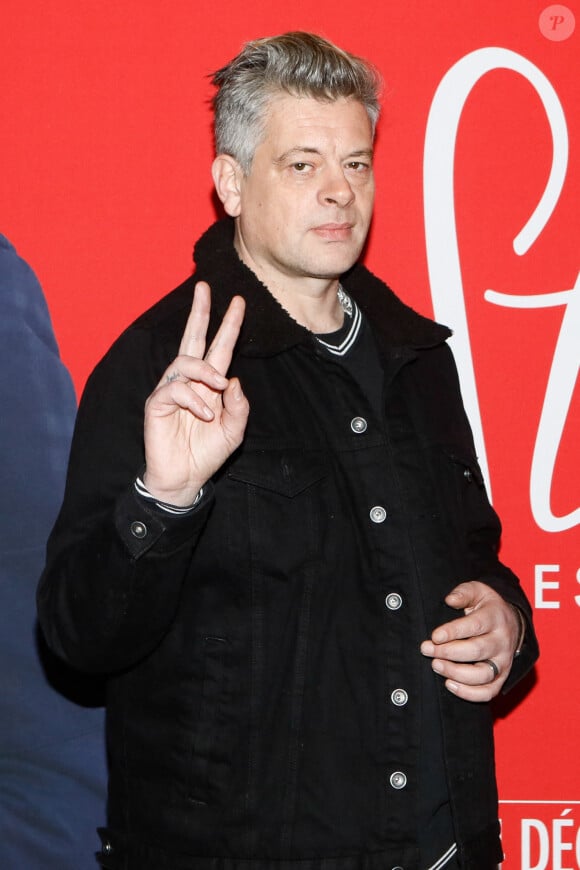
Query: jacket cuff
x,y
143,526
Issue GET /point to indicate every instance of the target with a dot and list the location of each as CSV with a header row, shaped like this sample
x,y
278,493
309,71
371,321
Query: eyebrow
x,y
304,149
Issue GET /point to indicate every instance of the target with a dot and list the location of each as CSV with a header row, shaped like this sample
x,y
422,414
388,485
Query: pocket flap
x,y
287,472
468,462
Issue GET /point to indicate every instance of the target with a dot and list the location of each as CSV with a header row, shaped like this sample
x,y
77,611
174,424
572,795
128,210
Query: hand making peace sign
x,y
196,417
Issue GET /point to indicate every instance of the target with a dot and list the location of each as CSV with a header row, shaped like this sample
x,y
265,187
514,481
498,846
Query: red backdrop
x,y
104,184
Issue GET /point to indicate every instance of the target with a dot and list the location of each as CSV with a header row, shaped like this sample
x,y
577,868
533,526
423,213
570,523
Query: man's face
x,y
305,207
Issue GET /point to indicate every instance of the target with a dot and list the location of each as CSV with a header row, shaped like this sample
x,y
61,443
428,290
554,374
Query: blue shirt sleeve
x,y
52,754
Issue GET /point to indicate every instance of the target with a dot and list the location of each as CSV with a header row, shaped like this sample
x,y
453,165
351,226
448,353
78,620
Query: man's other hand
x,y
474,653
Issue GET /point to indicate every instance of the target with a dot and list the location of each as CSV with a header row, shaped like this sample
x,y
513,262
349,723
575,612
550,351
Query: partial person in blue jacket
x,y
52,754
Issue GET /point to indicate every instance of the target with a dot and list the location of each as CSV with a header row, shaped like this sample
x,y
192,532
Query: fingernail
x,y
437,667
453,687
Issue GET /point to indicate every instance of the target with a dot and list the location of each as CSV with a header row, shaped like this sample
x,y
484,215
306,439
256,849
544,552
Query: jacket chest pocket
x,y
441,480
465,477
284,496
464,505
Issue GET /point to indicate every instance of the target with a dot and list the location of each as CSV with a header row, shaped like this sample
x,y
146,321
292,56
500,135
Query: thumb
x,y
462,596
236,409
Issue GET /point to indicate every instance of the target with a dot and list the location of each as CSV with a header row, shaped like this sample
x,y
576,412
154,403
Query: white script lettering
x,y
445,269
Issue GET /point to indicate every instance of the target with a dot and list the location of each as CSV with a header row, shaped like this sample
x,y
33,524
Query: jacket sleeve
x,y
483,543
115,563
480,525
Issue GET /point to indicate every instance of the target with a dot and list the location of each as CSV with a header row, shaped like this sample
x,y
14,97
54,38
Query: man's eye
x,y
300,167
357,165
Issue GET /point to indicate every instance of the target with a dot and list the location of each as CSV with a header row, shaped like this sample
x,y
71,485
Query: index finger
x,y
471,625
194,334
221,349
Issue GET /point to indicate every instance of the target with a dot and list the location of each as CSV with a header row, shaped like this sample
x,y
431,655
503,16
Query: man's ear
x,y
227,176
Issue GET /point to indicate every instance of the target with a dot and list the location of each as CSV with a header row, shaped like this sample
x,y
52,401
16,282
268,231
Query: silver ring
x,y
493,666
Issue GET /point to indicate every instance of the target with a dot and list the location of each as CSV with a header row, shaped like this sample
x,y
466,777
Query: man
x,y
52,735
274,565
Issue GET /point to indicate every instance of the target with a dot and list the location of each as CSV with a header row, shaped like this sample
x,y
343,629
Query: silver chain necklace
x,y
344,300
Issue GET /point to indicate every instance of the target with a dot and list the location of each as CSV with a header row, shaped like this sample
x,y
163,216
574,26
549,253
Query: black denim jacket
x,y
254,646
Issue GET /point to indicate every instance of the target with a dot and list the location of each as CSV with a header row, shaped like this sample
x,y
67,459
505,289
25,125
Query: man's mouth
x,y
334,232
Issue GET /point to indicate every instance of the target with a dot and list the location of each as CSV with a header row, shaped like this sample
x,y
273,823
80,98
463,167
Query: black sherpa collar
x,y
268,329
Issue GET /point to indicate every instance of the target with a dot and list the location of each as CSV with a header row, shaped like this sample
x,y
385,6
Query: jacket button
x,y
138,529
399,697
378,514
393,601
358,425
398,780
468,475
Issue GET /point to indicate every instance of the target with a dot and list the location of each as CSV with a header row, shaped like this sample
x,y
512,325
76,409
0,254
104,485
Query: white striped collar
x,y
351,313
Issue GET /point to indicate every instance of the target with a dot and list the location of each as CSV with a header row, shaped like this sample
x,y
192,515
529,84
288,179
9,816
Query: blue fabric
x,y
52,754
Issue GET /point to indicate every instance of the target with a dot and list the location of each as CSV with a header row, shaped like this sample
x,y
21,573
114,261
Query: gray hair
x,y
301,64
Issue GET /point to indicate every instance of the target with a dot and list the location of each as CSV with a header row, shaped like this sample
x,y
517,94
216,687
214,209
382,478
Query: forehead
x,y
290,119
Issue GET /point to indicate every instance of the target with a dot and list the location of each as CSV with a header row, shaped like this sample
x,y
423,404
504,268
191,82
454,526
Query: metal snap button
x,y
393,601
358,425
398,780
138,529
378,514
399,697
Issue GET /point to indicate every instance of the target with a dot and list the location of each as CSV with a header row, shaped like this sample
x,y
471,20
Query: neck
x,y
311,301
315,307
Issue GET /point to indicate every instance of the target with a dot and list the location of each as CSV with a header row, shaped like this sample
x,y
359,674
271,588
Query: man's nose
x,y
335,189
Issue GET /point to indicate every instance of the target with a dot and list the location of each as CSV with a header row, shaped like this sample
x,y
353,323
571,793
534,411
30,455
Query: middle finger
x,y
194,334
